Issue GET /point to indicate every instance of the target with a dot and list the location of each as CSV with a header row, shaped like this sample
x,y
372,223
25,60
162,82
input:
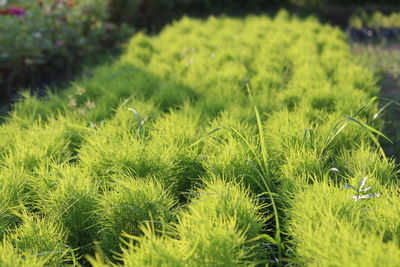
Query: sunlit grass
x,y
219,142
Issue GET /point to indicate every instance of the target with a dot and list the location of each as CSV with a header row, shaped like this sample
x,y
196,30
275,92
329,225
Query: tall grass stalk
x,y
341,125
264,174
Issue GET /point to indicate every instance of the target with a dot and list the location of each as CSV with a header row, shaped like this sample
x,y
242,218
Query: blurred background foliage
x,y
40,39
43,42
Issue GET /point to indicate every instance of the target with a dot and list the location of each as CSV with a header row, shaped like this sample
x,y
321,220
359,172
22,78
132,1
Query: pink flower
x,y
16,11
60,43
108,27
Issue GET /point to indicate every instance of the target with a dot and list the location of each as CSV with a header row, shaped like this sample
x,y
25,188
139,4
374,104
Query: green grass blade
x,y
372,100
263,145
139,120
369,128
202,139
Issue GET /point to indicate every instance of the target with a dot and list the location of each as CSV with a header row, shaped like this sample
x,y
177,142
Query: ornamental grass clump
x,y
9,256
227,155
36,147
41,238
133,157
71,200
324,213
11,200
130,203
222,225
177,132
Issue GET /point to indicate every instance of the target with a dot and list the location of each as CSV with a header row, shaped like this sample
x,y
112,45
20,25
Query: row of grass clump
x,y
161,157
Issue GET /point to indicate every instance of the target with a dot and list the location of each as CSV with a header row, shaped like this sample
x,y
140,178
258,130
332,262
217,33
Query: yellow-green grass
x,y
210,144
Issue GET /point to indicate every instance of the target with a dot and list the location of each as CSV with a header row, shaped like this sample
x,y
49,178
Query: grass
x,y
218,142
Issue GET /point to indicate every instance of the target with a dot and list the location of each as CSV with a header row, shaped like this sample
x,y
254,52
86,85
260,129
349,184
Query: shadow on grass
x,y
56,82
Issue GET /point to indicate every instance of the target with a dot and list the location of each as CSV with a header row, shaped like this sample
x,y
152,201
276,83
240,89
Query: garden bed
x,y
218,142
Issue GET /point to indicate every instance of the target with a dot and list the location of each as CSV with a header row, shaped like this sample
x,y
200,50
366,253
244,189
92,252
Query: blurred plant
x,y
375,20
16,11
40,38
